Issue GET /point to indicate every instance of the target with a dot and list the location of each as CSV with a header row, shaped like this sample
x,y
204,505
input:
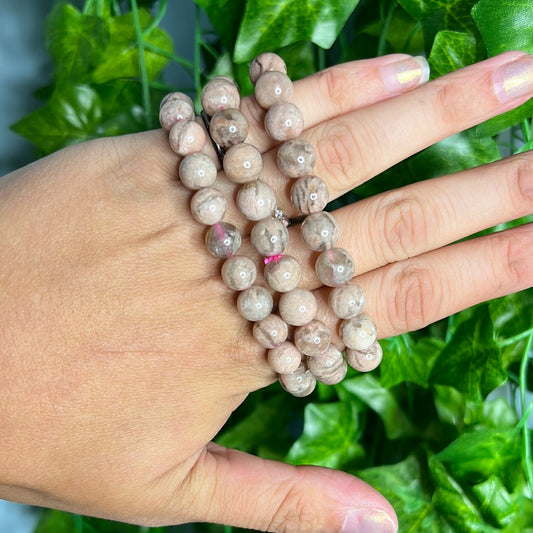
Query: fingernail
x,y
368,521
514,80
405,74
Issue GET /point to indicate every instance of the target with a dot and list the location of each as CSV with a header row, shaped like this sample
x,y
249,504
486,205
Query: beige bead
x,y
176,96
228,127
220,93
320,231
208,206
283,274
255,303
269,237
271,88
309,194
312,338
285,358
197,171
299,383
175,110
266,62
365,360
271,331
297,307
284,121
256,200
358,332
239,272
296,158
243,163
329,367
186,137
347,300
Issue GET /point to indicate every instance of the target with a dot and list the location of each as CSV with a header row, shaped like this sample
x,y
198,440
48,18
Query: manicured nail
x,y
514,80
405,74
368,521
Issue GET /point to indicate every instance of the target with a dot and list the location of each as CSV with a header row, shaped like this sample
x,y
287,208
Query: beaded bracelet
x,y
299,345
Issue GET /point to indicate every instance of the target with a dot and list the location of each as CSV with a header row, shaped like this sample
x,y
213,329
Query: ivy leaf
x,y
452,50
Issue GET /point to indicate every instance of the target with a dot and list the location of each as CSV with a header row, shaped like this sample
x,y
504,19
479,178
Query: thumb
x,y
235,488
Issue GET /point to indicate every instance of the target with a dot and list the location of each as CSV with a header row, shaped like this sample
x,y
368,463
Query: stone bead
x,y
329,367
208,206
297,307
174,111
243,163
365,360
358,332
296,158
285,358
271,88
239,272
186,137
264,63
269,237
228,127
313,338
176,96
197,171
220,93
320,231
334,267
255,303
256,200
299,383
309,194
284,121
271,331
347,300
223,240
283,274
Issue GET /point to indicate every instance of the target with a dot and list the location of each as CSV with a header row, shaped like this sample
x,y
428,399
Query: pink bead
x,y
299,383
243,163
347,300
254,303
271,331
358,333
208,206
285,358
365,360
284,121
223,240
186,137
256,200
266,62
220,93
269,237
312,338
239,272
329,367
334,267
283,274
271,88
175,110
320,231
297,307
197,170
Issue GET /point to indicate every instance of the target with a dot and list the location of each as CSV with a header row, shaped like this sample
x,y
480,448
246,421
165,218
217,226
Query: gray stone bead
x,y
285,358
228,127
329,367
223,240
243,163
239,272
256,200
176,96
271,88
266,62
297,307
365,360
347,301
358,332
255,303
269,237
299,383
309,194
283,273
284,121
320,231
220,93
312,338
296,158
271,331
186,137
334,267
208,206
175,110
197,171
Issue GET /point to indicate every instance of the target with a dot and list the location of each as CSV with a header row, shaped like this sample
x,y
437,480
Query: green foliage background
x,y
425,429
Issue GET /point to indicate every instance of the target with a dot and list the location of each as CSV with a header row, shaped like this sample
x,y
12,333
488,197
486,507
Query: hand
x,y
122,351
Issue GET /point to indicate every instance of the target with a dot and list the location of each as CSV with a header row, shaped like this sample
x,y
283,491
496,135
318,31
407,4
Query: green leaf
x,y
502,122
52,521
452,50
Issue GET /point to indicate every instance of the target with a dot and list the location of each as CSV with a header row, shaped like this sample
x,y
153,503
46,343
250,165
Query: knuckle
x,y
332,83
449,103
511,270
522,171
292,514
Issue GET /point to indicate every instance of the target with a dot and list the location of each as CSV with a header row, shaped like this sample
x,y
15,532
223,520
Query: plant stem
x,y
382,45
162,9
169,55
516,338
524,363
197,45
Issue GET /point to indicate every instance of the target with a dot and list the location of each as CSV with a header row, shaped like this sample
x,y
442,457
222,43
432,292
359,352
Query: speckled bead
x,y
269,237
239,272
329,367
299,383
186,137
309,194
175,110
220,93
255,303
271,331
312,338
176,96
256,200
296,158
228,127
284,121
283,273
320,231
334,267
223,240
208,206
346,301
264,63
197,171
297,307
358,332
285,358
365,360
243,163
271,88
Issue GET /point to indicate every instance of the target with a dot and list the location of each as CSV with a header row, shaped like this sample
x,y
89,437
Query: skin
x,y
116,374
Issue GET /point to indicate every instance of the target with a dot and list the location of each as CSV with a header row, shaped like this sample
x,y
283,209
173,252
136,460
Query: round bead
x,y
296,158
176,96
272,87
269,237
312,338
255,303
358,332
284,121
320,231
309,194
197,171
264,63
243,163
175,110
284,358
329,367
223,240
334,267
271,331
365,360
239,272
283,274
347,300
299,383
228,127
297,307
256,200
208,206
186,137
220,93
